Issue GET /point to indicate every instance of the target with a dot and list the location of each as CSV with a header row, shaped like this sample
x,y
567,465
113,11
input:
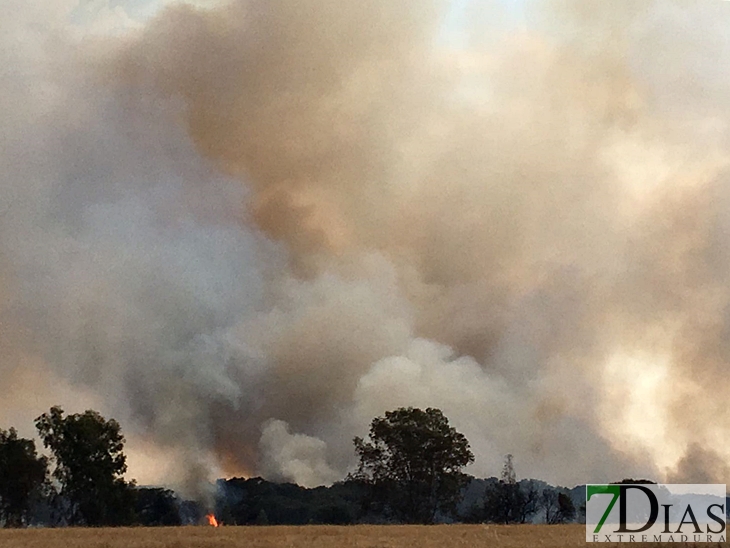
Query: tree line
x,y
410,471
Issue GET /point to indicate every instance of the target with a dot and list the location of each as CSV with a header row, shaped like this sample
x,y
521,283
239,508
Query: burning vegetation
x,y
212,521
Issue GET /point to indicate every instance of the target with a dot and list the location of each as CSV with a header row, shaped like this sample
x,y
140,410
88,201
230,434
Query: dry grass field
x,y
518,536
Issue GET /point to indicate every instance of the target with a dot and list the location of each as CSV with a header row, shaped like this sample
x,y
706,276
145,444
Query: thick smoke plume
x,y
246,230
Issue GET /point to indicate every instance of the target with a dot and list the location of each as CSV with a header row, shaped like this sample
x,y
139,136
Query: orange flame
x,y
211,520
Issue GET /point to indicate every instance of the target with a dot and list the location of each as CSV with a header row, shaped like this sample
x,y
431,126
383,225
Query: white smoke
x,y
294,457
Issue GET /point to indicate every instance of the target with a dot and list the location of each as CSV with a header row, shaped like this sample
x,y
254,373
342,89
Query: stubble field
x,y
517,536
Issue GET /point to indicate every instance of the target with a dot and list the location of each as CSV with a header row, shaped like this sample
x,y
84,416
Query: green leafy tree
x,y
89,464
22,478
413,462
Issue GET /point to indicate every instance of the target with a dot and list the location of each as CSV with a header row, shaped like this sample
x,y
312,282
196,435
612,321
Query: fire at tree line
x,y
410,471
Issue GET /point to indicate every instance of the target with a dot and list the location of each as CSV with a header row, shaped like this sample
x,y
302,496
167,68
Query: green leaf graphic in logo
x,y
614,490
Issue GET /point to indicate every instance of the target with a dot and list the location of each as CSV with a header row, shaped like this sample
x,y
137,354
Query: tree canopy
x,y
22,477
89,464
413,461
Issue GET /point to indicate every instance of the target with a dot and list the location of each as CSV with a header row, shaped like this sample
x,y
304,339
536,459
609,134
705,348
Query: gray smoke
x,y
247,230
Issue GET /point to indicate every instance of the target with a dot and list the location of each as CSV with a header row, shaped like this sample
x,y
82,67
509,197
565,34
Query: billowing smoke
x,y
244,230
285,456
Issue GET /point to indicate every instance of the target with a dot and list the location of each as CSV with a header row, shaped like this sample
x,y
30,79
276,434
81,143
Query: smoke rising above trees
x,y
410,471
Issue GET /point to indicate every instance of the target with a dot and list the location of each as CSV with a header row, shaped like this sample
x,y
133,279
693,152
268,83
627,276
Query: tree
x,y
412,462
89,464
509,476
510,502
549,503
566,508
156,506
506,500
22,477
529,501
559,507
